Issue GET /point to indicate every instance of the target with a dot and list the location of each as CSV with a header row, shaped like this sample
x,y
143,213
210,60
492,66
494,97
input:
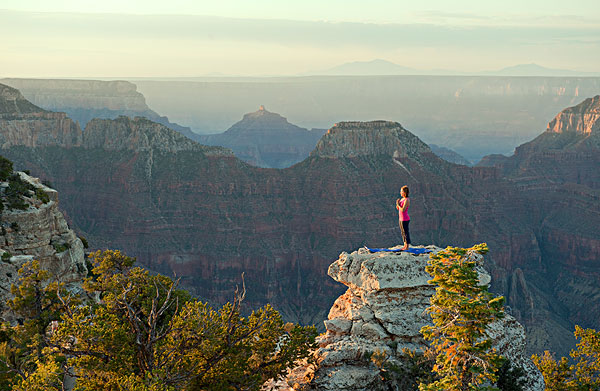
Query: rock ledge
x,y
384,309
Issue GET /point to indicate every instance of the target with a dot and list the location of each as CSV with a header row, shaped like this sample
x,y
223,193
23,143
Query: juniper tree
x,y
142,333
461,310
584,374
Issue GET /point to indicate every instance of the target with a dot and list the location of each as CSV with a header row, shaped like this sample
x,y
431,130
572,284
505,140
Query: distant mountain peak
x,y
261,120
262,112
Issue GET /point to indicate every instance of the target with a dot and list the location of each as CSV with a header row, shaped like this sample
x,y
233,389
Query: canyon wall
x,y
205,215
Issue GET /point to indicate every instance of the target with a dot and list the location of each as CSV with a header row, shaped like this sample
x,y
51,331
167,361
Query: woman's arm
x,y
405,206
398,203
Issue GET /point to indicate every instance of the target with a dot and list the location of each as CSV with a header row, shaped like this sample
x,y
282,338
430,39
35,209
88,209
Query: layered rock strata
x,y
203,214
266,139
557,174
84,100
383,310
39,232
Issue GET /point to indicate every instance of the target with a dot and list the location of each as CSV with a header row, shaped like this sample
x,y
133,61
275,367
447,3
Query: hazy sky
x,y
109,38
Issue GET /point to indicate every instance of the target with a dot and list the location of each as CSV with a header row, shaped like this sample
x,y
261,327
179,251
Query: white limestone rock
x,y
383,310
39,233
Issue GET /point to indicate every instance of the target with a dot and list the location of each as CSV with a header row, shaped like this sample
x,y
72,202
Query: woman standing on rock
x,y
402,206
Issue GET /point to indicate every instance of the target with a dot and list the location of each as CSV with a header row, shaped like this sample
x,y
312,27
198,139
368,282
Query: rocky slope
x,y
84,100
383,310
266,139
449,155
25,124
557,174
202,213
37,231
582,119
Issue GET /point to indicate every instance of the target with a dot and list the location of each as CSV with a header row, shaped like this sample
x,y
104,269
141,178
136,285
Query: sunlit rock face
x,y
39,232
582,119
557,174
384,309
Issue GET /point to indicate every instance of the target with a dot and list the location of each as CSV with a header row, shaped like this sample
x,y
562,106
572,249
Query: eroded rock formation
x,y
557,174
207,216
266,139
39,232
84,100
383,310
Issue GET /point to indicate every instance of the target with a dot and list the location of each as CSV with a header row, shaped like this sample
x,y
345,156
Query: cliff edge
x,y
383,310
36,230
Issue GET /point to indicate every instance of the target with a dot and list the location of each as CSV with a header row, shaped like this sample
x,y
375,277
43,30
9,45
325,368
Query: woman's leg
x,y
407,232
404,230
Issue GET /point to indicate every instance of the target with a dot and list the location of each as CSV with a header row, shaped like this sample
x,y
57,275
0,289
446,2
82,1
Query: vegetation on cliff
x,y
461,310
17,188
583,374
139,332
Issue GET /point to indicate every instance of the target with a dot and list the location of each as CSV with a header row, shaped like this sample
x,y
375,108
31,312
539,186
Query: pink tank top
x,y
403,215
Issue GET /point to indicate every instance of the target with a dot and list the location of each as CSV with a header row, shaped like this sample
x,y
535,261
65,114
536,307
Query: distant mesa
x,y
12,102
375,67
379,67
537,70
84,100
354,138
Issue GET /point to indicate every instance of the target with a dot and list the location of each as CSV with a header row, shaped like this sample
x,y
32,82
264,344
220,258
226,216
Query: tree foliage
x,y
584,374
461,309
138,331
24,360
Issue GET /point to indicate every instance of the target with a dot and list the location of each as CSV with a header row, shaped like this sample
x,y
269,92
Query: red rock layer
x,y
207,216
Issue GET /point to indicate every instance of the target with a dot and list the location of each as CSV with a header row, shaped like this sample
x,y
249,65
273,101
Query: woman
x,y
402,206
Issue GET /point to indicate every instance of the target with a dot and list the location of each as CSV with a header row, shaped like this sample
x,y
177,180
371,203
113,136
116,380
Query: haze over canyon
x,y
200,212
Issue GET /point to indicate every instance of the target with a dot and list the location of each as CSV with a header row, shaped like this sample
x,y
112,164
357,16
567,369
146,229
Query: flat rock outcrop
x,y
39,232
383,310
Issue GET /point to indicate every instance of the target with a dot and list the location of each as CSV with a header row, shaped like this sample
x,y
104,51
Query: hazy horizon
x,y
69,39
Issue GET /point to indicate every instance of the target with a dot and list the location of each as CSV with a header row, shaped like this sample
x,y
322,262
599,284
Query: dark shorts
x,y
404,231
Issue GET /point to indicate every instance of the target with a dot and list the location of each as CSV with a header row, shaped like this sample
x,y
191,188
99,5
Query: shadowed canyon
x,y
203,214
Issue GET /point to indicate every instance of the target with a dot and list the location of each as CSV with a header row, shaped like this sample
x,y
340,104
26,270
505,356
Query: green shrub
x,y
6,168
14,225
6,256
42,196
15,190
61,247
510,377
17,203
84,242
